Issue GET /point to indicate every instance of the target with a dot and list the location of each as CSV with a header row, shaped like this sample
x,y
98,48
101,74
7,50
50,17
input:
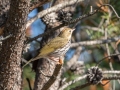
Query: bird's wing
x,y
53,45
58,42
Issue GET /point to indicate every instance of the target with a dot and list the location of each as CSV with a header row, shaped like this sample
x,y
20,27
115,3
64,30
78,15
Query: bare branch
x,y
52,9
73,59
52,78
81,86
35,4
87,84
92,28
92,13
95,42
25,61
107,57
113,10
111,72
71,82
112,78
4,38
45,33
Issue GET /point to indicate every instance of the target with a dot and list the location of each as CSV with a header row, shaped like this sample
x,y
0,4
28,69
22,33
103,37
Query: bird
x,y
56,48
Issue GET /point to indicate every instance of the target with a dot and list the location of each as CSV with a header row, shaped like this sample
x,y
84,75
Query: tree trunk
x,y
10,54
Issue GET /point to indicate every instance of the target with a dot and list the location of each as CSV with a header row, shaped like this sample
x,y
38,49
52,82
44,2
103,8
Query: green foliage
x,y
28,73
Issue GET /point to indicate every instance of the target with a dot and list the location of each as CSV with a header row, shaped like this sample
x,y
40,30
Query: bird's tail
x,y
33,59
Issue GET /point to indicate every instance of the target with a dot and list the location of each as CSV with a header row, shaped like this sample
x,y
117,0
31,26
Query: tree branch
x,y
92,28
87,84
52,9
111,72
37,3
95,42
52,78
71,82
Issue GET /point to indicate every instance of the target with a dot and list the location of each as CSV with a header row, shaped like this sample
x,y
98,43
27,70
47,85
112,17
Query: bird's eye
x,y
70,31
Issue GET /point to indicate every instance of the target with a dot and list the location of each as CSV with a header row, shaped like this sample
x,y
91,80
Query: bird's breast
x,y
61,51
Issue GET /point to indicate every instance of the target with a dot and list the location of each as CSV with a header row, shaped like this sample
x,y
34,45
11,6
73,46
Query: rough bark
x,y
37,3
10,54
5,6
47,68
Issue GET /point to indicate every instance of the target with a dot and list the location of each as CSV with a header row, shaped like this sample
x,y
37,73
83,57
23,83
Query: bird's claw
x,y
58,60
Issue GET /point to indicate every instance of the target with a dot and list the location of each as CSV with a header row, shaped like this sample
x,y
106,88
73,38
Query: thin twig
x,y
106,57
113,10
92,28
71,82
111,72
88,84
95,42
25,61
39,3
104,78
4,38
81,86
46,33
73,59
107,46
117,52
112,78
92,13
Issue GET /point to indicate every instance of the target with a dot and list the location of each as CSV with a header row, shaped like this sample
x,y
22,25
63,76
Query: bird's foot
x,y
61,61
58,60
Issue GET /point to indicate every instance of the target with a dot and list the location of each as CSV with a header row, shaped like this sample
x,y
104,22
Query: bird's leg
x,y
58,60
61,60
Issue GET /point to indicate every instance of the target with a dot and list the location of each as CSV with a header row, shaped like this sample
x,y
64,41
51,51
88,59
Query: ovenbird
x,y
57,47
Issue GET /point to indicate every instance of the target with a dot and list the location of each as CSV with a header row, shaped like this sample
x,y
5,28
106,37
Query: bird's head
x,y
66,32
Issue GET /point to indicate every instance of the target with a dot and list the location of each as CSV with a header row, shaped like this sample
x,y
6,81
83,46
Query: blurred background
x,y
90,28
